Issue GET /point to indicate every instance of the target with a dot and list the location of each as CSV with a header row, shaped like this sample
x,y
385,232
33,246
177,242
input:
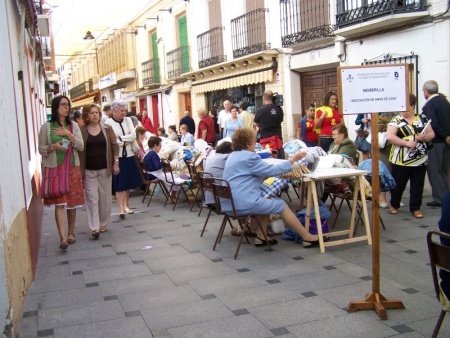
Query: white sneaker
x,y
383,205
402,204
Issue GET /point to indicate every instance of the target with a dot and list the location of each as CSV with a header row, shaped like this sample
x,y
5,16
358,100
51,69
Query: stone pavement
x,y
152,275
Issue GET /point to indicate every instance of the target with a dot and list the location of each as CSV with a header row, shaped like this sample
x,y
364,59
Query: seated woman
x,y
215,165
245,171
342,144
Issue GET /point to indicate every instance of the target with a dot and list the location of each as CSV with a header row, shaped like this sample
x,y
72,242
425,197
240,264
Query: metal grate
x,y
352,11
178,62
150,72
210,47
248,32
304,21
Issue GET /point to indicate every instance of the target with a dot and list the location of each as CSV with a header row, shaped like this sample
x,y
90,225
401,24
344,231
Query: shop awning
x,y
239,77
83,102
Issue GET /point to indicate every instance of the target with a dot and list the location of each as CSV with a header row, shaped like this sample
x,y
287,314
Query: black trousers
x,y
416,177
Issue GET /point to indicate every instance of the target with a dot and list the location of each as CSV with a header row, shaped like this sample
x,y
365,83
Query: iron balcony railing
x,y
178,62
150,72
304,20
353,11
210,47
248,32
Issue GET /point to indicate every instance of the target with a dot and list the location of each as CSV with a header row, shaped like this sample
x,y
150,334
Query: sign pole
x,y
375,300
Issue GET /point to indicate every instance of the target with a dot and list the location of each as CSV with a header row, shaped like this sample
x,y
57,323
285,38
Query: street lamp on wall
x,y
89,36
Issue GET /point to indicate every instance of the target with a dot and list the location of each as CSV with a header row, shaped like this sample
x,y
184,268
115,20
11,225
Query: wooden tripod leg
x,y
377,302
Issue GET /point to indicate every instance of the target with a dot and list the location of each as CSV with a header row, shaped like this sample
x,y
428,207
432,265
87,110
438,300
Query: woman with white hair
x,y
129,176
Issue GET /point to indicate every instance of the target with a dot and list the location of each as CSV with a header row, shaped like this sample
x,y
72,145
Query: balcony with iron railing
x,y
150,72
304,20
356,11
210,47
178,62
248,32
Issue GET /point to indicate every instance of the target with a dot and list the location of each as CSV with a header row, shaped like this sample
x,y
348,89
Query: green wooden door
x,y
182,29
154,37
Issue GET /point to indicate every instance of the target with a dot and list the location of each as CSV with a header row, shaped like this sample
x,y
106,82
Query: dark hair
x,y
162,130
107,107
234,107
76,115
326,100
311,105
412,100
153,141
173,127
55,107
244,106
341,128
224,148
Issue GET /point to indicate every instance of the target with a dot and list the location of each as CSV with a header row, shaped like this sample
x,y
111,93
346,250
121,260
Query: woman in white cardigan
x,y
129,176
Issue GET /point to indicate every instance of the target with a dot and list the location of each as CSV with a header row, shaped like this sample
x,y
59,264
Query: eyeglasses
x,y
65,104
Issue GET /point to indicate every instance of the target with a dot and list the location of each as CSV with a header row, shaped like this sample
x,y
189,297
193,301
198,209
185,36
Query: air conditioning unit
x,y
49,98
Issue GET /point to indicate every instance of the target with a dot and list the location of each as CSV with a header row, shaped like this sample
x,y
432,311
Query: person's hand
x,y
421,137
298,156
411,144
58,146
61,131
116,169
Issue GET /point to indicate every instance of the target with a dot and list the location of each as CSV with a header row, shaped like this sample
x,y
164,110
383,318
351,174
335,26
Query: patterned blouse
x,y
403,155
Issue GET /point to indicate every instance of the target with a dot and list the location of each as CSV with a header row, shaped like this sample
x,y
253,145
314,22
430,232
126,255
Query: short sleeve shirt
x,y
269,118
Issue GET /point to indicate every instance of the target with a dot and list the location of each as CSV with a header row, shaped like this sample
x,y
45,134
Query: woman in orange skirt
x,y
56,137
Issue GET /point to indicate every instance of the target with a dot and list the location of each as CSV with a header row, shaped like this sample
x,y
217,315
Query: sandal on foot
x,y
63,245
129,211
417,214
393,211
310,244
71,240
95,234
121,216
272,241
102,228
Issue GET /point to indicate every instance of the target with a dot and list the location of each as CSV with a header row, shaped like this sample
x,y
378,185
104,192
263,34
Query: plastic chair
x,y
222,191
439,257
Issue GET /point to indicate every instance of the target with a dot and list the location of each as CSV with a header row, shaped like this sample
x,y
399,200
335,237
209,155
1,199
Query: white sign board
x,y
373,89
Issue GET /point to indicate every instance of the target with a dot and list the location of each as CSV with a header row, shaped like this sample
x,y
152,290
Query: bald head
x,y
268,96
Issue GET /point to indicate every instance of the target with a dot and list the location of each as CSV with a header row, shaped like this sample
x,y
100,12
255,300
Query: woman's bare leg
x,y
292,221
60,218
120,197
264,220
71,218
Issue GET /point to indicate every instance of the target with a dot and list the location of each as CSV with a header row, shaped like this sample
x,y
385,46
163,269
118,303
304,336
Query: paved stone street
x,y
153,275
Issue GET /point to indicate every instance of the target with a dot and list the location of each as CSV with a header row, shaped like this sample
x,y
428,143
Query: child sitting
x,y
161,132
186,138
172,133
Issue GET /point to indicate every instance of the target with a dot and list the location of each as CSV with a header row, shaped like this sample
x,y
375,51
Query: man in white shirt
x,y
224,115
106,113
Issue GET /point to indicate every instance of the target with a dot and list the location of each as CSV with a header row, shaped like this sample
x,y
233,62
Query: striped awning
x,y
236,78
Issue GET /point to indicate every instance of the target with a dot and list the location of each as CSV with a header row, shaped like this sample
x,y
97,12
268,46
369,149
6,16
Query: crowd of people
x,y
105,148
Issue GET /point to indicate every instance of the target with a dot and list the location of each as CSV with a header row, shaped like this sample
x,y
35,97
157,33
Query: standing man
x,y
189,121
268,118
437,109
106,113
224,115
246,117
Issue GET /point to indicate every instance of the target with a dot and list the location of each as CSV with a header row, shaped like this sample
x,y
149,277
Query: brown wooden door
x,y
315,85
187,103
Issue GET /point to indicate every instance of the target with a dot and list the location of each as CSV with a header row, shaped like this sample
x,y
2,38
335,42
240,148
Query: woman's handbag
x,y
55,181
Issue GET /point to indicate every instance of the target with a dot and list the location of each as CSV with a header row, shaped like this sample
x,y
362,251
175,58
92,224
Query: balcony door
x,y
154,44
182,31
